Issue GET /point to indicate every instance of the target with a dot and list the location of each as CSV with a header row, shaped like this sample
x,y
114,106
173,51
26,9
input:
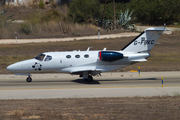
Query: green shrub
x,y
109,9
25,29
34,18
84,10
125,19
52,15
41,4
75,34
156,11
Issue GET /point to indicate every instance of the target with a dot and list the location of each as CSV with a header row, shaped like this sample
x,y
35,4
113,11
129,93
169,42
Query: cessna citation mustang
x,y
90,63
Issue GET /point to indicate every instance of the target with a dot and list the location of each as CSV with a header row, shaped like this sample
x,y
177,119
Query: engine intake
x,y
110,56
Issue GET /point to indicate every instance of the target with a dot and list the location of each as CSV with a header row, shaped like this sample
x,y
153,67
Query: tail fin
x,y
145,41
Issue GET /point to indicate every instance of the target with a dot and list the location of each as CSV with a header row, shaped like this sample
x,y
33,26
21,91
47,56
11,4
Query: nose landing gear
x,y
29,79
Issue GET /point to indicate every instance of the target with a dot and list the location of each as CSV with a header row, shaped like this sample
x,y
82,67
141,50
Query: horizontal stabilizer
x,y
139,60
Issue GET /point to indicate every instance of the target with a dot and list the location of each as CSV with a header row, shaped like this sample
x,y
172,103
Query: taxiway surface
x,y
117,84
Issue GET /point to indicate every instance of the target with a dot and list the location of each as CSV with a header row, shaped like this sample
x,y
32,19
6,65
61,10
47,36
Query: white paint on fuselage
x,y
59,62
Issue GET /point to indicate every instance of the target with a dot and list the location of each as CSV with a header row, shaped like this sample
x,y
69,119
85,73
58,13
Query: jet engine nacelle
x,y
110,56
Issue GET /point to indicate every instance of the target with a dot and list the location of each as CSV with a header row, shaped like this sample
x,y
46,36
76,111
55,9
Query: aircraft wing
x,y
81,69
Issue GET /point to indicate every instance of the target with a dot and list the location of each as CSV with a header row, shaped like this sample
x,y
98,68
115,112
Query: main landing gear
x,y
86,76
29,79
89,79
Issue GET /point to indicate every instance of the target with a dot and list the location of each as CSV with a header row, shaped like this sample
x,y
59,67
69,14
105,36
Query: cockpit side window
x,y
40,57
48,58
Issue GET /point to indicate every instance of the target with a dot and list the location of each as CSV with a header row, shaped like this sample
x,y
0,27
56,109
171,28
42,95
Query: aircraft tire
x,y
28,79
89,79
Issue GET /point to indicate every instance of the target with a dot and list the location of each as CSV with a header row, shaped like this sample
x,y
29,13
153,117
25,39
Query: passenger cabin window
x,y
86,56
48,58
68,56
77,56
40,57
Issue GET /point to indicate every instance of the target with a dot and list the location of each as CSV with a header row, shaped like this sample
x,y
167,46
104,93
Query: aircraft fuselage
x,y
70,62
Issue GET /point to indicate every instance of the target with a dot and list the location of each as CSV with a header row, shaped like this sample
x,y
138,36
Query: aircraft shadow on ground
x,y
148,79
85,82
121,79
81,81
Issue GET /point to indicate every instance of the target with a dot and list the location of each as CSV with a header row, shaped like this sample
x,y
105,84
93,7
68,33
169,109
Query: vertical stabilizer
x,y
145,41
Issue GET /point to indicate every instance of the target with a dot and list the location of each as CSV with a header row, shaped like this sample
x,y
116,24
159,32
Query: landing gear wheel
x,y
89,79
28,79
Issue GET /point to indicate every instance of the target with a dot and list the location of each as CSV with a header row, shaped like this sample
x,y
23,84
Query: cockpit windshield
x,y
48,58
40,57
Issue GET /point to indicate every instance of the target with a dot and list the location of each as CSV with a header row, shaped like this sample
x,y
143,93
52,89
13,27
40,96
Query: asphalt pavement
x,y
116,84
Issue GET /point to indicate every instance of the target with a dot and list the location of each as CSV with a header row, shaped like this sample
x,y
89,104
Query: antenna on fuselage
x,y
89,48
104,49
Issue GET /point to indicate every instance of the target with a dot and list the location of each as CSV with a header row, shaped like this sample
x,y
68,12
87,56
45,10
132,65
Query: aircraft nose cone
x,y
13,67
22,66
10,68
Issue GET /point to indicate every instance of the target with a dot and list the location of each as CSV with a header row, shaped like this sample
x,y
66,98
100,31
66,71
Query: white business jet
x,y
90,63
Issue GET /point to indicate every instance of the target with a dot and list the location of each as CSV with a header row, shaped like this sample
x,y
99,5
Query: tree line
x,y
153,12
